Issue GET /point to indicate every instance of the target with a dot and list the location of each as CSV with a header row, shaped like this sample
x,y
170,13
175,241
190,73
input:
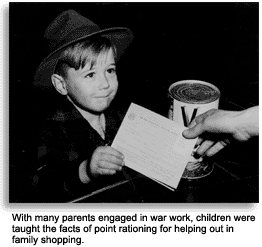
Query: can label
x,y
190,98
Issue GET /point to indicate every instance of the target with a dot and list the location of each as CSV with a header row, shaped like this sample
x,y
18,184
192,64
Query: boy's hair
x,y
81,53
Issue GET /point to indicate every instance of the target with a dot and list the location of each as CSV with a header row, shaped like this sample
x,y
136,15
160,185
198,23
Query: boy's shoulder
x,y
64,117
61,110
65,111
66,114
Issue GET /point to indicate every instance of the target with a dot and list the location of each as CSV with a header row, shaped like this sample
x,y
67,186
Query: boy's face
x,y
94,88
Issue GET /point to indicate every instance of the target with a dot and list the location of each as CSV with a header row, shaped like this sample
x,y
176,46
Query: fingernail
x,y
185,132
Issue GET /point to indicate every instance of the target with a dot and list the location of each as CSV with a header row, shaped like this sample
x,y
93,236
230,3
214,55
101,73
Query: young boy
x,y
74,156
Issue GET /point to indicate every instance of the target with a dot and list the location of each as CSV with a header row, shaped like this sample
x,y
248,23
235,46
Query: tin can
x,y
187,100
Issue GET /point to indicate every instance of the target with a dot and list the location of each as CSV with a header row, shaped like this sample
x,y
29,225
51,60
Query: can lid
x,y
194,93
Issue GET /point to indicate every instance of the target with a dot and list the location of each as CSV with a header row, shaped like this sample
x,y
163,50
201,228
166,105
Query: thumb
x,y
192,133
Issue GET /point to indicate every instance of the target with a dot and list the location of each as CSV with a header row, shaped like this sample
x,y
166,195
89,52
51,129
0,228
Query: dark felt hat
x,y
68,28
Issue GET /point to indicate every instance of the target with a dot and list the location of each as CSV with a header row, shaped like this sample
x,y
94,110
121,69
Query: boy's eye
x,y
90,75
111,70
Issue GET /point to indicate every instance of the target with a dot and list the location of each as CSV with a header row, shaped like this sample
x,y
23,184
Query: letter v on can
x,y
186,117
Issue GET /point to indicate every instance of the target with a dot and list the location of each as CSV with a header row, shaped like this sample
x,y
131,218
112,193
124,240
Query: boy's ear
x,y
59,84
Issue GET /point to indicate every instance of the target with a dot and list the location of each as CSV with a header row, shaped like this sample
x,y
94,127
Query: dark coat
x,y
66,140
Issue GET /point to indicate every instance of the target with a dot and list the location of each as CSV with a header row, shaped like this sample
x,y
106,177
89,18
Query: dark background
x,y
213,42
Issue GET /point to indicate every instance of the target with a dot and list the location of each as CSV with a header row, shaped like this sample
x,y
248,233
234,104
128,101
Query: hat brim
x,y
119,36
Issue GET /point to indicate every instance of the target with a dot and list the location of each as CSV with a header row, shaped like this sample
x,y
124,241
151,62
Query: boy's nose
x,y
104,82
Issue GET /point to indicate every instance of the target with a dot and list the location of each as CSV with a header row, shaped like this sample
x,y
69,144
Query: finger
x,y
204,147
216,148
194,132
202,117
114,152
109,166
210,112
199,141
113,159
105,171
192,124
197,129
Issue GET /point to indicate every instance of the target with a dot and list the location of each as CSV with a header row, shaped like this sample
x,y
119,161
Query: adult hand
x,y
219,126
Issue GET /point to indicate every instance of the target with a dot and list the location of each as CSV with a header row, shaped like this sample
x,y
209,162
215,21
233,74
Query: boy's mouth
x,y
103,96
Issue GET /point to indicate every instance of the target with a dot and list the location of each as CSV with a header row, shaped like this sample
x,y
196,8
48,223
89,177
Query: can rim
x,y
191,82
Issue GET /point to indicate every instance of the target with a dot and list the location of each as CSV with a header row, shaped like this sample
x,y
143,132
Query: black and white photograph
x,y
133,102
